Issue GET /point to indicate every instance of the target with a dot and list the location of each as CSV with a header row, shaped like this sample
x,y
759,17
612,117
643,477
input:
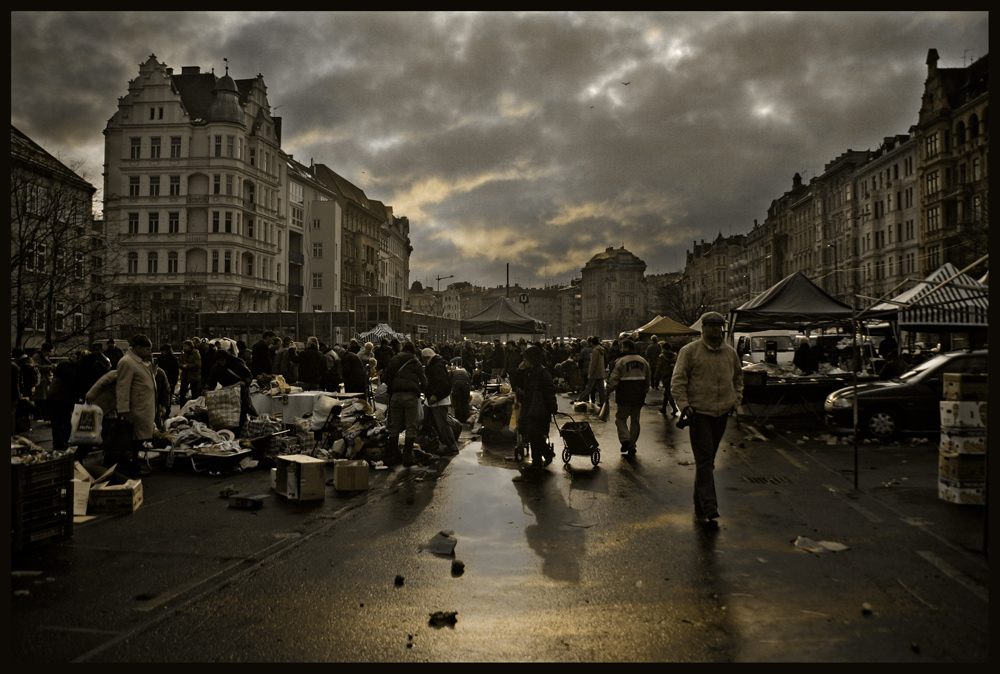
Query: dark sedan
x,y
908,405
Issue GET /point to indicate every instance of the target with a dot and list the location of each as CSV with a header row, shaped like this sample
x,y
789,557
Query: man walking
x,y
707,385
594,391
630,377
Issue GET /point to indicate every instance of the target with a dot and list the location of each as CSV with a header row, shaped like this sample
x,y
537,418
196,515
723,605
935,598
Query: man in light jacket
x,y
630,377
707,386
136,396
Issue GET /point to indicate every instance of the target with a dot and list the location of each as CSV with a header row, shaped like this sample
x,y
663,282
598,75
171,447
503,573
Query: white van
x,y
769,346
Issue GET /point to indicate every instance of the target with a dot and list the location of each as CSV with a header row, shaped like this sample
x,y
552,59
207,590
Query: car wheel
x,y
882,424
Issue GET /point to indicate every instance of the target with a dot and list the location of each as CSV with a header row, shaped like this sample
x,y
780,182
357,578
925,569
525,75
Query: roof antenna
x,y
227,64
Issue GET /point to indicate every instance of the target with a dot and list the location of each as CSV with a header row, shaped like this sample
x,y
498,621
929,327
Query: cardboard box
x,y
967,492
81,496
350,475
963,414
116,498
962,467
300,478
110,491
958,386
963,441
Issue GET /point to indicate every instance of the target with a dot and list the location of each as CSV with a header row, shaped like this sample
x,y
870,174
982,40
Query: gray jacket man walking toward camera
x,y
707,386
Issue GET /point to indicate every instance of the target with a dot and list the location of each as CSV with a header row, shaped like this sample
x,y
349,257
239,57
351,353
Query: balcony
x,y
296,290
296,257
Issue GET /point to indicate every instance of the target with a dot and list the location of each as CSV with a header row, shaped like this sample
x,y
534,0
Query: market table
x,y
765,396
294,405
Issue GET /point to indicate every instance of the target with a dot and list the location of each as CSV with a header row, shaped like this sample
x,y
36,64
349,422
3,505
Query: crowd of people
x,y
136,390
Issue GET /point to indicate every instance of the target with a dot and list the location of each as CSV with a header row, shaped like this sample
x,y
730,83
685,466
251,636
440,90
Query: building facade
x,y
613,293
192,188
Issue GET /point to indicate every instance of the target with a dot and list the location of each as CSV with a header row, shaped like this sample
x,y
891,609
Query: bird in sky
x,y
627,83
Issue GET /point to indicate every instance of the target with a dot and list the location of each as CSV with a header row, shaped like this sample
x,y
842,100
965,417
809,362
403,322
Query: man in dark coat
x,y
113,353
536,396
439,397
353,370
92,367
312,365
261,356
167,361
405,380
228,370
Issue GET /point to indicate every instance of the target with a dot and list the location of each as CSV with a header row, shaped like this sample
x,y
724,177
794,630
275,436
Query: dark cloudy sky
x,y
510,138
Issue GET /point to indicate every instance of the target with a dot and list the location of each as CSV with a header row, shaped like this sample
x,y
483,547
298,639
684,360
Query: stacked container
x,y
962,464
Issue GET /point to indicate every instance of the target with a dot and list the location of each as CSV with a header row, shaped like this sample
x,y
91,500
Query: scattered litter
x,y
866,609
399,581
443,543
226,492
810,545
685,462
457,567
443,618
800,442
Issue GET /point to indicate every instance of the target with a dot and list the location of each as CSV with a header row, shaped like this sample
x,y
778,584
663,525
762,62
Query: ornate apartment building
x,y
192,187
213,216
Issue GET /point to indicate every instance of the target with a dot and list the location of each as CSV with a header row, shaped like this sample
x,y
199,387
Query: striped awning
x,y
376,334
945,300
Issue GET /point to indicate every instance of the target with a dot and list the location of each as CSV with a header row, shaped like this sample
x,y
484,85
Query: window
x,y
931,145
154,148
316,223
154,186
133,223
136,147
175,186
317,307
297,215
250,227
933,219
932,182
172,262
933,257
230,146
152,261
173,222
229,184
216,184
218,146
317,250
175,147
133,186
976,175
215,221
317,280
249,269
154,223
229,221
215,262
253,156
228,266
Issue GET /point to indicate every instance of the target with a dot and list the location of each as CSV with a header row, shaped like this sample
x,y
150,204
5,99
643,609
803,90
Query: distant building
x,y
612,293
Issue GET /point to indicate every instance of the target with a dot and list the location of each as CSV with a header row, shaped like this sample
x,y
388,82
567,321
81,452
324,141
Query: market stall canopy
x,y
944,301
794,303
376,334
666,326
499,318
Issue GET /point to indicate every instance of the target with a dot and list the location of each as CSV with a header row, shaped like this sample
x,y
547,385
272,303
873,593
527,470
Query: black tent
x,y
794,303
501,317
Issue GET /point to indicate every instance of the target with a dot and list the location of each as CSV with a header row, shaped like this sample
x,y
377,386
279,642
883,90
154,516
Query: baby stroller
x,y
578,438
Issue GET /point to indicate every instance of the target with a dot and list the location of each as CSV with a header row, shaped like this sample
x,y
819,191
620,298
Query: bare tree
x,y
59,255
683,305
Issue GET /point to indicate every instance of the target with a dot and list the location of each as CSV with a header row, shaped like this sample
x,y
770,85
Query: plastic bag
x,y
86,424
223,407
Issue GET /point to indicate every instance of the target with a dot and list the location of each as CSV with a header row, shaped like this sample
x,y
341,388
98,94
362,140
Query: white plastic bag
x,y
86,424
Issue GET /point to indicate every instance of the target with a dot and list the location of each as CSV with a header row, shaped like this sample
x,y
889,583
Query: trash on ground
x,y
443,618
443,543
457,567
399,581
809,545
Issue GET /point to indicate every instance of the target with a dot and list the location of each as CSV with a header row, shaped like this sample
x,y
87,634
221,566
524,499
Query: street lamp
x,y
441,278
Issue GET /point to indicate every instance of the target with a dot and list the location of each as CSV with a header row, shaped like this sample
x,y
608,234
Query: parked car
x,y
908,405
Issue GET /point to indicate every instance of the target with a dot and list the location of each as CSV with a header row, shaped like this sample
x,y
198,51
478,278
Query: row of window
x,y
226,263
938,141
223,146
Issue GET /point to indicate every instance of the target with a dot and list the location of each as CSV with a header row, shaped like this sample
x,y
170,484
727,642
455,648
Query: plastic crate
x,y
41,509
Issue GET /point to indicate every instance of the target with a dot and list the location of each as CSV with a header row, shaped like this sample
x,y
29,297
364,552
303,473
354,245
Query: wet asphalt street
x,y
579,564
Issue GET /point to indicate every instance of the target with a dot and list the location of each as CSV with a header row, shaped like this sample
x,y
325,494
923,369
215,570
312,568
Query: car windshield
x,y
931,364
